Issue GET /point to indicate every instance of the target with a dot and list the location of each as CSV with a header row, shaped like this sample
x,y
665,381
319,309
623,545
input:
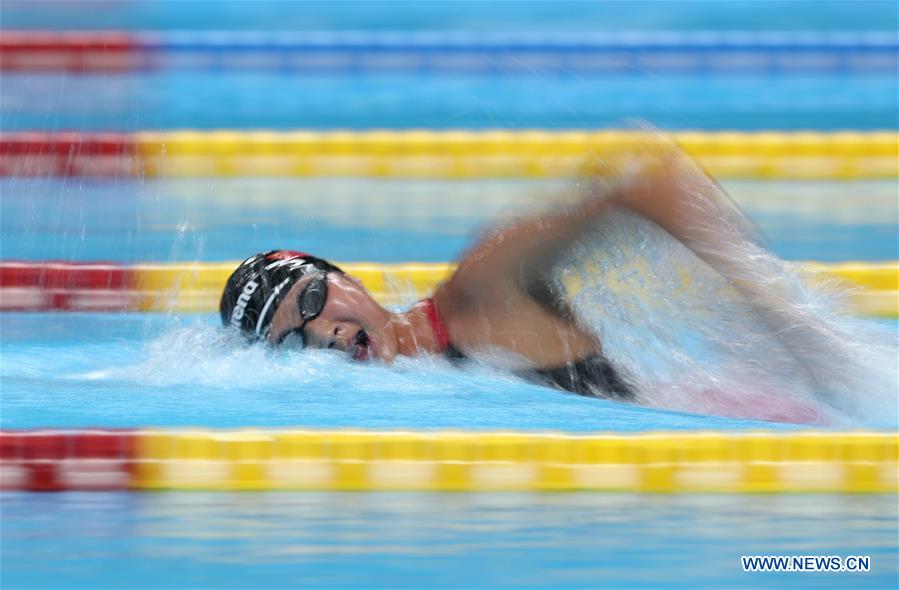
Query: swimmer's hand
x,y
648,179
659,181
654,179
640,179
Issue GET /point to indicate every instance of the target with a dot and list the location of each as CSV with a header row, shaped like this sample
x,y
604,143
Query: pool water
x,y
212,100
490,15
352,220
78,370
412,540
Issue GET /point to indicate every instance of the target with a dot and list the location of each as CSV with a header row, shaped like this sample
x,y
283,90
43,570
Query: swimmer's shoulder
x,y
470,288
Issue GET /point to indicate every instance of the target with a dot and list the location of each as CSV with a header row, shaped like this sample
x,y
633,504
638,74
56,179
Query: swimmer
x,y
500,305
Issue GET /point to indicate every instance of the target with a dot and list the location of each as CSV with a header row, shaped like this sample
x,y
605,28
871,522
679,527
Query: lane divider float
x,y
621,52
655,462
437,154
197,287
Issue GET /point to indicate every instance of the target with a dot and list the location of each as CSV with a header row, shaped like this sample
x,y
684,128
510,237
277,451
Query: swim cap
x,y
255,289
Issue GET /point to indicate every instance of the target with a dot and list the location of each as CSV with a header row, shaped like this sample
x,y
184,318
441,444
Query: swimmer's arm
x,y
694,209
647,181
676,194
658,182
518,249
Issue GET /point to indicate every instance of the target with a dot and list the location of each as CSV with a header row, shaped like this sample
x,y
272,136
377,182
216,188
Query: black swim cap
x,y
255,289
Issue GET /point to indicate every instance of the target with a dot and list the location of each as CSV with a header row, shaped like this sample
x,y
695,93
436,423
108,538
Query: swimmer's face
x,y
350,321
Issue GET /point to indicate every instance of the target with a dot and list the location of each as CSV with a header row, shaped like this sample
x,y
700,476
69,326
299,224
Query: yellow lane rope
x,y
840,462
197,287
496,153
780,461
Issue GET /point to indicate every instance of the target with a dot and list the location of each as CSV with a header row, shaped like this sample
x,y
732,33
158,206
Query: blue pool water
x,y
76,370
215,219
410,540
491,15
215,100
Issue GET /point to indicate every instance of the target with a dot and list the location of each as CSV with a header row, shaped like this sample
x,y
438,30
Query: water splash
x,y
691,340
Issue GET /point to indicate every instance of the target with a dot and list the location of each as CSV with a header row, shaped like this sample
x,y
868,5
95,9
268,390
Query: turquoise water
x,y
411,540
491,15
533,98
112,370
212,219
215,100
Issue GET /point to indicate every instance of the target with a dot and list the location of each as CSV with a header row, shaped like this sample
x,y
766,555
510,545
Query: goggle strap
x,y
260,323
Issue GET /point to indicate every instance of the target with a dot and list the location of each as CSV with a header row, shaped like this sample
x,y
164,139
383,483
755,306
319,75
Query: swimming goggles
x,y
311,302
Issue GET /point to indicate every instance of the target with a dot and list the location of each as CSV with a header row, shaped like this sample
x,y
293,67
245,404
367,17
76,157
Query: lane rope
x,y
452,51
437,154
655,462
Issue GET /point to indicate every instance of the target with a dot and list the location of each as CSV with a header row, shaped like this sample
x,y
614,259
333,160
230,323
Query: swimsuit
x,y
592,376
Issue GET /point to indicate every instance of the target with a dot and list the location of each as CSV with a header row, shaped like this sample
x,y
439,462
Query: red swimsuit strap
x,y
437,324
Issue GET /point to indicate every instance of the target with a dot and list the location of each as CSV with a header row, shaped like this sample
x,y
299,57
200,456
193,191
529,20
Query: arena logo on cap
x,y
242,301
290,264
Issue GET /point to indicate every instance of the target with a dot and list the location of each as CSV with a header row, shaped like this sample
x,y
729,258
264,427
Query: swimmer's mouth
x,y
360,347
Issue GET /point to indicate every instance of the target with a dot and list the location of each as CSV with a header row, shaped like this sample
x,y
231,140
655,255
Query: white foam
x,y
692,341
